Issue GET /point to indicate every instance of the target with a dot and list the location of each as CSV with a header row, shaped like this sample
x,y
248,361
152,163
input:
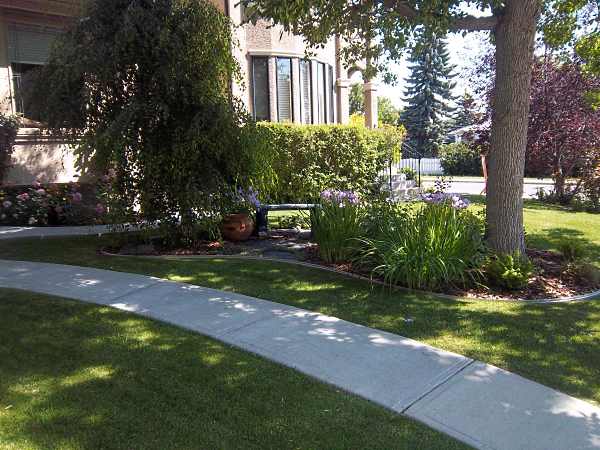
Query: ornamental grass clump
x,y
428,247
337,224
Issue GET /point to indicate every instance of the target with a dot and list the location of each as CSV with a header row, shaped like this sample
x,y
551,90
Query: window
x,y
20,84
260,88
321,92
306,91
284,90
331,96
28,48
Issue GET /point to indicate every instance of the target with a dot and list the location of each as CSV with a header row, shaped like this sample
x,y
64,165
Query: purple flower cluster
x,y
436,198
341,197
250,196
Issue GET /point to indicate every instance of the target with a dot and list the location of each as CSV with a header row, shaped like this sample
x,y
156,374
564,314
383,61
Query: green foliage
x,y
8,133
410,173
337,224
144,86
510,272
460,159
428,95
434,246
312,158
387,113
572,249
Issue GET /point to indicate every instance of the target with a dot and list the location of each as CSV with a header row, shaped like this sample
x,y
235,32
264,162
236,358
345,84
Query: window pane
x,y
306,84
260,88
331,96
21,83
284,89
321,92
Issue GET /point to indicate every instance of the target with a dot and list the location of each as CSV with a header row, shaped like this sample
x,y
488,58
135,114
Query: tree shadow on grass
x,y
551,239
82,376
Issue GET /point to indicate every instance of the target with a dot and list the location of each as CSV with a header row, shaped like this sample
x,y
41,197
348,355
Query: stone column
x,y
343,100
370,92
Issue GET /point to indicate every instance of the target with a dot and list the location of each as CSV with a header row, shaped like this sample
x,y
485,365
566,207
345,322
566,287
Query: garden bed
x,y
550,279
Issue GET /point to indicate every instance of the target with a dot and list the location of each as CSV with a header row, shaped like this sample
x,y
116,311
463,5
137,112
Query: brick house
x,y
280,83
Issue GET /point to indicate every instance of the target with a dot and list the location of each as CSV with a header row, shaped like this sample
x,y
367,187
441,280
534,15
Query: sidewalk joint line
x,y
437,385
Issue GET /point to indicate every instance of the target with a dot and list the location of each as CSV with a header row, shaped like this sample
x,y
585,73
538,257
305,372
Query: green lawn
x,y
546,225
77,376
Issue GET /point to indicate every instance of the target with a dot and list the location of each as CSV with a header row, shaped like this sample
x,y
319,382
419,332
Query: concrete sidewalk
x,y
479,404
10,232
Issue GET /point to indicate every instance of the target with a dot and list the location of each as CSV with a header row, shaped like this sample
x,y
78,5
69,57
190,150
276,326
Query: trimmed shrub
x,y
312,158
460,159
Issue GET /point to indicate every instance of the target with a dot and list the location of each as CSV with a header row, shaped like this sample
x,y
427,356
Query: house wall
x,y
37,157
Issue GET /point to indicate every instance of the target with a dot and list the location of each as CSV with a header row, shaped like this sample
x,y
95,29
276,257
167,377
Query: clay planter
x,y
237,227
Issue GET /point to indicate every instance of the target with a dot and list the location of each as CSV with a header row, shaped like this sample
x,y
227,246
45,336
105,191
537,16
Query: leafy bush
x,y
510,272
144,87
437,244
411,174
337,223
460,159
312,158
8,133
572,249
59,204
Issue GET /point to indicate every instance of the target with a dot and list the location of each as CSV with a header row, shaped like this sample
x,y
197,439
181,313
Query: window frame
x,y
309,94
253,67
289,59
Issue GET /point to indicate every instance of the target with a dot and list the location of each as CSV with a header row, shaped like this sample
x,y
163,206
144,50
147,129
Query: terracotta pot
x,y
237,227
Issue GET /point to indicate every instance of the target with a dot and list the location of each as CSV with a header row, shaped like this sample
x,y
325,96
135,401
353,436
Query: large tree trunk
x,y
514,35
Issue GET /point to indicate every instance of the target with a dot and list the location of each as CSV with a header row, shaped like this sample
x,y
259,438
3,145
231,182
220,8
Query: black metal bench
x,y
262,213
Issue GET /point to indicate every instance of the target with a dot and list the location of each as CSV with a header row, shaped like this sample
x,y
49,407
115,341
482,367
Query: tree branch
x,y
467,22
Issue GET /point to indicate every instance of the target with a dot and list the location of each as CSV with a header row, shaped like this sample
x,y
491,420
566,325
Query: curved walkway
x,y
10,232
480,404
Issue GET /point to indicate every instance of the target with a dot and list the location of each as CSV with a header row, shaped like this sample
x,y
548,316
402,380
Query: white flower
x,y
32,220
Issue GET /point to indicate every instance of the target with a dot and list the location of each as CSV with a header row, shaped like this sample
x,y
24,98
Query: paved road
x,y
477,403
476,187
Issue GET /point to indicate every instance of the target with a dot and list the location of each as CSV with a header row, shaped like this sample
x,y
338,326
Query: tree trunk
x,y
514,35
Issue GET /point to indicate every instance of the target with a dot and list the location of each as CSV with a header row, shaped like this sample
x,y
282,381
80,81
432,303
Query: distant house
x,y
280,83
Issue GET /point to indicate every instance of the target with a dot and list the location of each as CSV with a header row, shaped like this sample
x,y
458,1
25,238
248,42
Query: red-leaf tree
x,y
564,129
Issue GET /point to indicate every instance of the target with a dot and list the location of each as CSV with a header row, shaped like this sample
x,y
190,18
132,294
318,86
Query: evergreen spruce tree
x,y
428,95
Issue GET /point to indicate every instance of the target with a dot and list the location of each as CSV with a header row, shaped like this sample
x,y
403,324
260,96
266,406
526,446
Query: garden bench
x,y
262,213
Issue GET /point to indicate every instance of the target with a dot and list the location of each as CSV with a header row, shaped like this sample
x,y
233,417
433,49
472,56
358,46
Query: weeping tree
x,y
143,87
428,94
389,24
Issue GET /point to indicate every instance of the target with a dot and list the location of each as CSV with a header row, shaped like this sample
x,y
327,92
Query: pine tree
x,y
428,94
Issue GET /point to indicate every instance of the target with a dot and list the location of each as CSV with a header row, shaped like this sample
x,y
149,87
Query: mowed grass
x,y
77,376
547,225
557,345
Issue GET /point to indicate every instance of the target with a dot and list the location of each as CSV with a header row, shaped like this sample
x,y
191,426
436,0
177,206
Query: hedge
x,y
460,159
312,158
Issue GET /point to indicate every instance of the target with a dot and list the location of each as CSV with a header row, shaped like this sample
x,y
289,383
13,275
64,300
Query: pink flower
x,y
76,197
100,209
23,197
6,204
40,191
